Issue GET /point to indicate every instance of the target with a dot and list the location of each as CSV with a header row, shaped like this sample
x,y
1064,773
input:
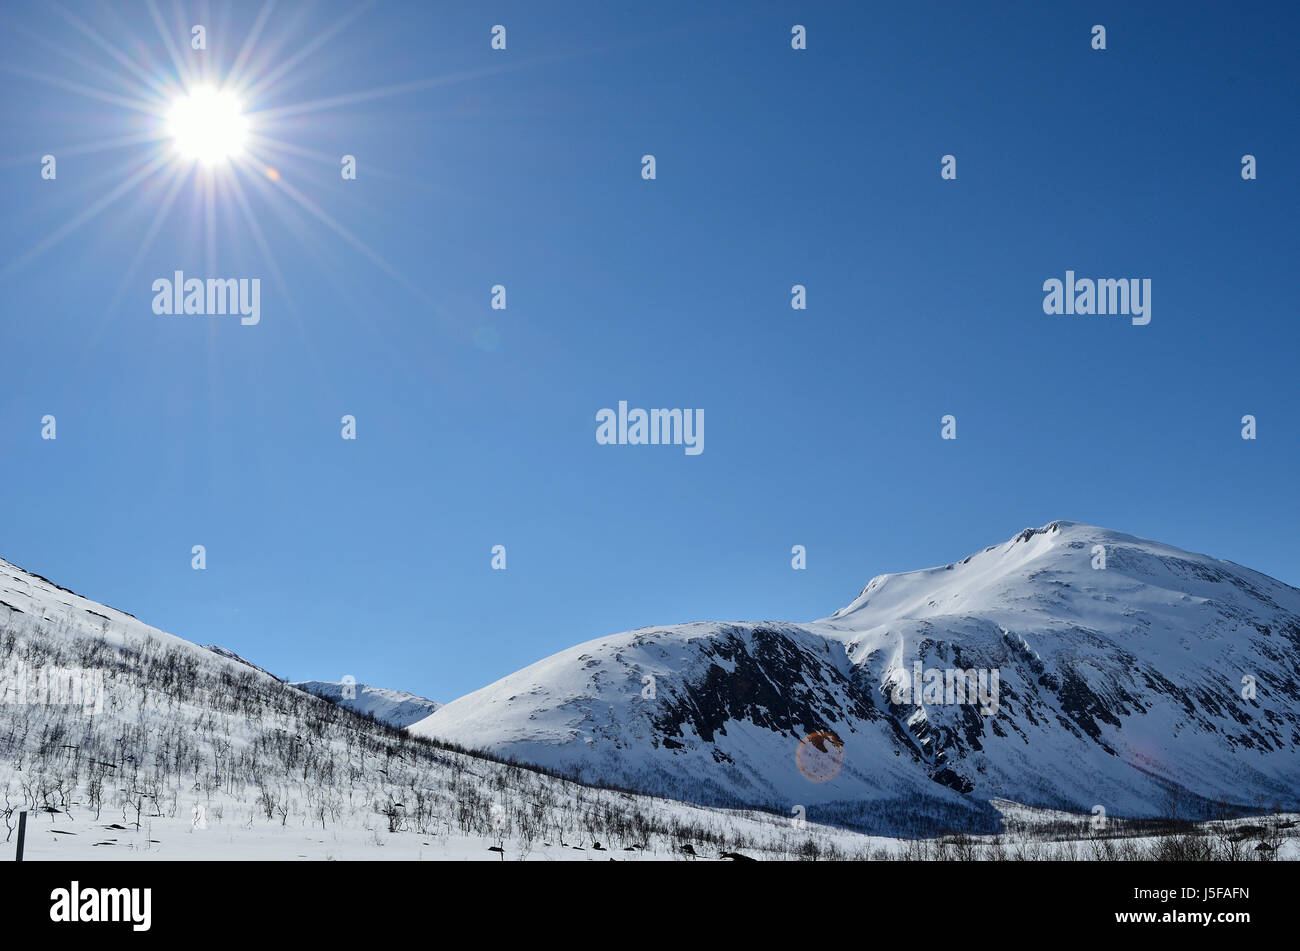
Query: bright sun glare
x,y
208,125
214,129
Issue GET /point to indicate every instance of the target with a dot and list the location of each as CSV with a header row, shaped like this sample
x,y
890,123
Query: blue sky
x,y
522,167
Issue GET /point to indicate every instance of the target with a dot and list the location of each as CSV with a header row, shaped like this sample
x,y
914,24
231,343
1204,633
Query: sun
x,y
208,125
212,125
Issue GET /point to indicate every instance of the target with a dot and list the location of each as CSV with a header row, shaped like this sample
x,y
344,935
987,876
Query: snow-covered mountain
x,y
394,707
1154,682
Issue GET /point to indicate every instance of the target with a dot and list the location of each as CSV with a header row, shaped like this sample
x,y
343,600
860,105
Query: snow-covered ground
x,y
234,832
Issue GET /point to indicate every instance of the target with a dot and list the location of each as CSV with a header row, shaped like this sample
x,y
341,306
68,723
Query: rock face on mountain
x,y
1070,666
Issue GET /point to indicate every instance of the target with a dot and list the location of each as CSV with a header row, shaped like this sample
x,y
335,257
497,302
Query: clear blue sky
x,y
476,427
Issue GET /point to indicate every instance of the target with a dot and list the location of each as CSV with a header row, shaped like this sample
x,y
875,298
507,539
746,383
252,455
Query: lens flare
x,y
820,756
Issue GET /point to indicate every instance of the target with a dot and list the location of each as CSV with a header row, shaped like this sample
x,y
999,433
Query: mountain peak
x,y
1051,528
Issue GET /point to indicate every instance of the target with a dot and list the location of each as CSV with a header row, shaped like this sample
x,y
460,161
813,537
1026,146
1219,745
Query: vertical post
x,y
22,834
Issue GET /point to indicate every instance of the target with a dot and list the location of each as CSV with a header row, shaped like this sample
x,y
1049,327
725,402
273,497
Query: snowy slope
x,y
1119,687
394,707
199,754
30,603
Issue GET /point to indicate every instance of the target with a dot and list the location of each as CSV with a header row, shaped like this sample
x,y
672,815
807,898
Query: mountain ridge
x,y
397,708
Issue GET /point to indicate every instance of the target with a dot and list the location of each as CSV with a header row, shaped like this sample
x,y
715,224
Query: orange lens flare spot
x,y
820,756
